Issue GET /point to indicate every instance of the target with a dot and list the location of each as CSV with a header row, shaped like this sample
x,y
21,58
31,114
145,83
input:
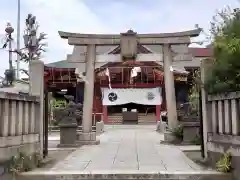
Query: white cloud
x,y
71,15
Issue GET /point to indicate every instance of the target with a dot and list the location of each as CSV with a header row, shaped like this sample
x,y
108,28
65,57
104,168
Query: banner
x,y
119,96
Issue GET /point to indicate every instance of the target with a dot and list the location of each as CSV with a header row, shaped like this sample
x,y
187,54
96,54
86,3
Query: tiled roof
x,y
201,52
61,64
140,49
196,52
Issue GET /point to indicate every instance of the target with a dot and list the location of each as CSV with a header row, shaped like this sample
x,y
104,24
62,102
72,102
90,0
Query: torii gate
x,y
128,42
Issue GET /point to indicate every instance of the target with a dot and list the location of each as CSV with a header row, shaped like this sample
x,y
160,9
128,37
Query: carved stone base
x,y
169,137
190,131
68,136
68,145
87,138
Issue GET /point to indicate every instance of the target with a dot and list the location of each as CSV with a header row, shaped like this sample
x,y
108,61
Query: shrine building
x,y
124,84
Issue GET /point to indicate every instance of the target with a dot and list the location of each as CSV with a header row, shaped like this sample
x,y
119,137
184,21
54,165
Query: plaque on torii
x,y
128,44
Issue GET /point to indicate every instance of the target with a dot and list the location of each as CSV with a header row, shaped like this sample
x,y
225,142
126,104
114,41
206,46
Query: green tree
x,y
225,31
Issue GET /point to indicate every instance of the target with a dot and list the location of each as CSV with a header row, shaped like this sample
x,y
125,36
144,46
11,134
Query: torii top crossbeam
x,y
115,39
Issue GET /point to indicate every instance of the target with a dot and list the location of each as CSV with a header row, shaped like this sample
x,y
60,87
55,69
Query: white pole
x,y
18,36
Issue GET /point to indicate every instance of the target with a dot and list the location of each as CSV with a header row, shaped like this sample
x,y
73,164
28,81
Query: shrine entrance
x,y
132,113
171,47
132,104
143,109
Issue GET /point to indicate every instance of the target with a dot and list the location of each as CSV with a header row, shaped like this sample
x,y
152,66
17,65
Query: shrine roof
x,y
61,64
191,33
201,52
196,52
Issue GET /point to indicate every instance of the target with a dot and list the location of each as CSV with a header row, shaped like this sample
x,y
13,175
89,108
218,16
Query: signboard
x,y
180,78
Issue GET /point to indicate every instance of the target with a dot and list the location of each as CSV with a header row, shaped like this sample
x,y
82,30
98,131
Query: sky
x,y
106,16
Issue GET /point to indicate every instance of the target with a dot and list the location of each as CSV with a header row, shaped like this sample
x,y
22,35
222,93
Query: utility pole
x,y
10,72
9,30
18,37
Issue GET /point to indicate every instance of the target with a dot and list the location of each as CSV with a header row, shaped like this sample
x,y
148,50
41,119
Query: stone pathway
x,y
130,148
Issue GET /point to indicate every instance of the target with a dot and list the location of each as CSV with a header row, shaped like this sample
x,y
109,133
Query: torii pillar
x,y
169,87
87,136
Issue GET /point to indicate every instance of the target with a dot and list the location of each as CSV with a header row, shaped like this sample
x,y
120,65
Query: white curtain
x,y
119,96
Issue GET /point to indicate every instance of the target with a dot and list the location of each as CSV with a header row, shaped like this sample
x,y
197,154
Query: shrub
x,y
224,163
225,73
23,163
178,132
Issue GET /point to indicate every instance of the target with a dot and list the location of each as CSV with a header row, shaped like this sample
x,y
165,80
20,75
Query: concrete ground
x,y
127,147
125,152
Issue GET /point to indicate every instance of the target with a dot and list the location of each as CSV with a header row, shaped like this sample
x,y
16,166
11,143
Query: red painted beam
x,y
137,85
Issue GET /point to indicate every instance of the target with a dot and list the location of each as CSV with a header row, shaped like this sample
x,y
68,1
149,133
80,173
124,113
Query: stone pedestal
x,y
67,118
169,137
68,135
88,138
190,131
99,127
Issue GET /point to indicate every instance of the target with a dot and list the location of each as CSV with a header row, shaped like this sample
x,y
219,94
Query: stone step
x,y
147,122
122,175
146,117
149,119
142,116
139,114
142,119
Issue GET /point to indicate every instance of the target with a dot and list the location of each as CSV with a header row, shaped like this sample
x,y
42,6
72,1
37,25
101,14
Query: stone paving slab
x,y
128,147
124,175
126,152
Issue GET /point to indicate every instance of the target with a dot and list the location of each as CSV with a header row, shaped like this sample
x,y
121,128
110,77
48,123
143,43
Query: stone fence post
x,y
204,68
36,88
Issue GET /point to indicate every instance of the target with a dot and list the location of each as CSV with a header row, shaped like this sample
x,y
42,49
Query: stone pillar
x,y
4,121
205,65
20,118
169,87
26,118
36,76
87,136
13,118
32,118
235,117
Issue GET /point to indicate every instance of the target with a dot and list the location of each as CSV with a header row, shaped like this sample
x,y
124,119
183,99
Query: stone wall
x,y
19,124
223,112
